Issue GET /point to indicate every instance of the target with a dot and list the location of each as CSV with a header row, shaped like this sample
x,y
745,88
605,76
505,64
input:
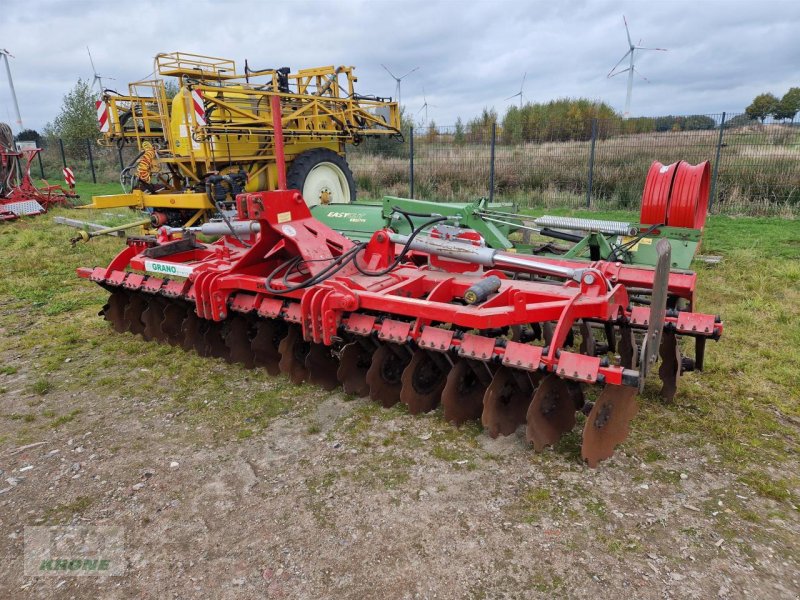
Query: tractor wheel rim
x,y
326,183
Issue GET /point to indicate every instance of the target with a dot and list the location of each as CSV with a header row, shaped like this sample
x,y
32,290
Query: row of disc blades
x,y
502,398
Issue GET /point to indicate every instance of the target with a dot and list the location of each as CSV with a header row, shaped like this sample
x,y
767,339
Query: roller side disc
x,y
670,368
422,382
506,401
174,315
114,311
152,317
265,343
322,365
609,423
133,313
239,339
384,376
462,397
215,340
354,363
293,349
551,413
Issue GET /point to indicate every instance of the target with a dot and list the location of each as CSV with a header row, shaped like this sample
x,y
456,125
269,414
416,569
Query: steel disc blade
x,y
462,396
238,339
193,329
214,337
133,313
423,381
114,310
322,365
384,376
505,403
354,363
670,368
265,343
174,315
609,423
293,349
648,354
588,342
152,317
551,413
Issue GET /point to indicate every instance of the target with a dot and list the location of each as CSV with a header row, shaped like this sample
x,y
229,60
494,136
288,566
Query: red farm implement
x,y
18,195
420,319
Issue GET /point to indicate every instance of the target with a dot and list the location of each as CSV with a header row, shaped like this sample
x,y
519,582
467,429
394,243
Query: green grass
x,y
745,407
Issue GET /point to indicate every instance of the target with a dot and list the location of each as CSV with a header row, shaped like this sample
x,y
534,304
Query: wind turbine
x,y
97,78
5,54
425,105
631,67
519,93
399,79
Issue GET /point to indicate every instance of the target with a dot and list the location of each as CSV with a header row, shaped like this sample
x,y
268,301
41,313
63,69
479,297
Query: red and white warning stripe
x,y
102,115
69,176
199,109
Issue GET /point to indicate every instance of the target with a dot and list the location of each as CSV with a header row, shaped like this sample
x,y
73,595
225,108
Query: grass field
x,y
63,371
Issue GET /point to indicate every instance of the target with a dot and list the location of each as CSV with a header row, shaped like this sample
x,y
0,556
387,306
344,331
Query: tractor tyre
x,y
323,177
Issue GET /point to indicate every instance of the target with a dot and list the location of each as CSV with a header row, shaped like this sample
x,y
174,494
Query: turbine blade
x,y
635,70
619,62
90,60
627,32
646,48
523,81
514,96
388,71
410,72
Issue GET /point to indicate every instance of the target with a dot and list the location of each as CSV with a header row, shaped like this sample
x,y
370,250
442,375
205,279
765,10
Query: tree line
x,y
768,105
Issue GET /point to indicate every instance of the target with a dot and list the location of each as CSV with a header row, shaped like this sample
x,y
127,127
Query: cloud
x,y
471,54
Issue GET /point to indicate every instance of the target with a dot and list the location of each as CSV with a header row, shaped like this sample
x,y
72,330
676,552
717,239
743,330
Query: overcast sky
x,y
471,54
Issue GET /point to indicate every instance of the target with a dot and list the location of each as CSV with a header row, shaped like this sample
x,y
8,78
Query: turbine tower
x,y
519,93
398,80
425,105
632,48
5,54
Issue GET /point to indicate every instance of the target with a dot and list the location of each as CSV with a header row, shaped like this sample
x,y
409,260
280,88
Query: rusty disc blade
x,y
152,317
462,396
670,368
193,329
423,381
588,342
609,423
114,310
354,363
238,339
551,413
505,403
133,313
322,365
265,343
384,376
174,315
214,337
293,349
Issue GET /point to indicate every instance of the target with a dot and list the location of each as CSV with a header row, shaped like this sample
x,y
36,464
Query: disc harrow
x,y
376,320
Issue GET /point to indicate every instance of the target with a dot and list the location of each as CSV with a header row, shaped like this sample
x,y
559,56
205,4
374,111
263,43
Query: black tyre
x,y
322,176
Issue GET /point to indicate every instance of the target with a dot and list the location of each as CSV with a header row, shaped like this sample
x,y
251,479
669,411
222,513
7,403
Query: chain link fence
x,y
755,166
602,164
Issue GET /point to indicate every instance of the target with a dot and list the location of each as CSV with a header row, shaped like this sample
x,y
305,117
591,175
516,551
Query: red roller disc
x,y
688,203
655,197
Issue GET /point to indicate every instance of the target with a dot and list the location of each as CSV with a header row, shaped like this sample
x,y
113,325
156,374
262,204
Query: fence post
x,y
491,163
63,158
716,164
91,160
591,165
411,162
41,168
